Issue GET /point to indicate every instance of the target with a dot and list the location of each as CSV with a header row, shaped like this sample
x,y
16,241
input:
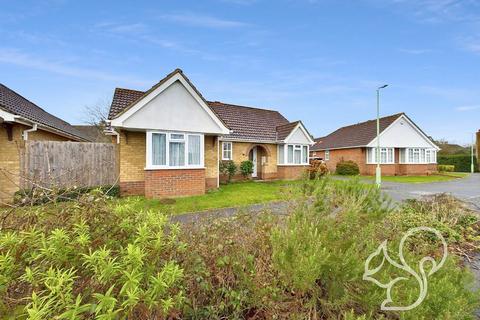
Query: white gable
x,y
173,106
299,135
403,134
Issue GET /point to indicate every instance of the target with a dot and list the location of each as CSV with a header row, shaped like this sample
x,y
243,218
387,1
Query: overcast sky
x,y
318,61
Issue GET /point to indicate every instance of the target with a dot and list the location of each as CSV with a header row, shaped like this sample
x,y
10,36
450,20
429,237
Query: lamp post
x,y
472,166
378,171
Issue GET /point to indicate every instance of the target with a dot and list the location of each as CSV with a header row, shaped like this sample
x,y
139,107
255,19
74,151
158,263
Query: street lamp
x,y
472,166
378,171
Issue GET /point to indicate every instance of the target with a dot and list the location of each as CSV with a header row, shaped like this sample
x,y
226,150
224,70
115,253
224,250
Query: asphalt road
x,y
467,189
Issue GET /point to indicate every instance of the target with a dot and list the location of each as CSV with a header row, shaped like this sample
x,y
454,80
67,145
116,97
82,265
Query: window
x,y
194,145
293,154
281,154
290,154
173,150
421,155
159,149
387,155
227,151
327,155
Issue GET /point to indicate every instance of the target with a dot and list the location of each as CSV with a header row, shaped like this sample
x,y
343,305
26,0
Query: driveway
x,y
467,189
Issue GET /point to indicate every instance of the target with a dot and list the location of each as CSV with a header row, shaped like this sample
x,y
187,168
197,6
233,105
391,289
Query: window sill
x,y
173,168
294,165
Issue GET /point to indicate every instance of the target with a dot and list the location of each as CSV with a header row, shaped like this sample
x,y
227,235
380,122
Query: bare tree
x,y
97,114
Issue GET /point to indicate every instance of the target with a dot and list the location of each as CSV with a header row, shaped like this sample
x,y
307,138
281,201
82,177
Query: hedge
x,y
347,168
461,162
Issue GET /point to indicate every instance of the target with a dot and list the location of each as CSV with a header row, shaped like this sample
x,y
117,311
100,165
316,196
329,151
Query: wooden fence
x,y
68,164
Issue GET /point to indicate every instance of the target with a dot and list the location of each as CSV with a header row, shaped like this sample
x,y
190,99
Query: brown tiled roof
x,y
121,99
356,135
94,133
285,129
14,103
249,123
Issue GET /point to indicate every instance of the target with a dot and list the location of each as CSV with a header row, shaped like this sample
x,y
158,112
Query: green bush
x,y
246,168
40,195
446,168
461,162
347,168
228,168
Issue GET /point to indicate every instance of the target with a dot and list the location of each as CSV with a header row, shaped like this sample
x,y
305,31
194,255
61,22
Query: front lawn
x,y
231,195
421,179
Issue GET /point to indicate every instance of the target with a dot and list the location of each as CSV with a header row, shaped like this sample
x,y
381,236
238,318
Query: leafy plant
x,y
446,168
228,168
246,168
318,168
347,168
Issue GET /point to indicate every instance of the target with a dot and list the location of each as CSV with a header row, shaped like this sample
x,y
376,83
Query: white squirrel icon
x,y
421,279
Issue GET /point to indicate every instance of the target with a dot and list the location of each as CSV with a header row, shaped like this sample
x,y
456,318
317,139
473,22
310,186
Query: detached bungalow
x,y
404,148
22,120
171,140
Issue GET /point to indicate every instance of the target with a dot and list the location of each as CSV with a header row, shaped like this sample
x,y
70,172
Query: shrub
x,y
347,168
318,168
462,162
246,168
88,259
40,195
446,168
228,168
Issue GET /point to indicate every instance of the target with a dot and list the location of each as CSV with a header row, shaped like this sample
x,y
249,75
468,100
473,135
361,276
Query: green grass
x,y
236,194
440,177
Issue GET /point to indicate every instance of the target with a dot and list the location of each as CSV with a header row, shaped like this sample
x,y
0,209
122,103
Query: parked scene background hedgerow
x,y
94,258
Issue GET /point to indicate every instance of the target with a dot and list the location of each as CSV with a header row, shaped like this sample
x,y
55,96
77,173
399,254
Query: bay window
x,y
293,154
387,155
418,155
174,150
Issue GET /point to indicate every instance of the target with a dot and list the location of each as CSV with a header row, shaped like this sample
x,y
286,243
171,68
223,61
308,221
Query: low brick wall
x,y
174,182
132,188
290,172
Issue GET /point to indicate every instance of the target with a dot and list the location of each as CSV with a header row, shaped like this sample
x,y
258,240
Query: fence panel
x,y
67,164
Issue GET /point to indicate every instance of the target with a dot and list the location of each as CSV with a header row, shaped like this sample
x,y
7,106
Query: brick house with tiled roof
x,y
171,139
21,120
404,148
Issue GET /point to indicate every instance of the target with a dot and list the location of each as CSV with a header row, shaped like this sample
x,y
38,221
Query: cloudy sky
x,y
318,61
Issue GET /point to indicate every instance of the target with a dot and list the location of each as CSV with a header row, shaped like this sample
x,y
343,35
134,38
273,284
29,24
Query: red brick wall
x,y
359,156
132,188
174,182
290,172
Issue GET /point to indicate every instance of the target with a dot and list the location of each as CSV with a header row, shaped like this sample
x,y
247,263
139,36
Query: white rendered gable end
x,y
299,135
173,106
403,133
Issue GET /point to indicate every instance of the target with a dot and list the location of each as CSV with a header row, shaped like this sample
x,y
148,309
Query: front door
x,y
254,160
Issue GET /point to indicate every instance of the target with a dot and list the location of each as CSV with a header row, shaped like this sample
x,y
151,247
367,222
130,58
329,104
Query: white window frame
x,y
327,155
297,147
168,139
425,156
389,155
373,153
226,143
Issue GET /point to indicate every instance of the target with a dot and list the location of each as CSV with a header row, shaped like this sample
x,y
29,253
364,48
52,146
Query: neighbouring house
x,y
404,148
171,140
95,133
22,120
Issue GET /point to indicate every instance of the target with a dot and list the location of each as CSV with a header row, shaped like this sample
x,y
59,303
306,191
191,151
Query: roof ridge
x,y
243,106
360,123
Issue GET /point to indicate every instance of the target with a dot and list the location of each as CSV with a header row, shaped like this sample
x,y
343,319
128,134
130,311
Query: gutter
x,y
112,132
25,132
